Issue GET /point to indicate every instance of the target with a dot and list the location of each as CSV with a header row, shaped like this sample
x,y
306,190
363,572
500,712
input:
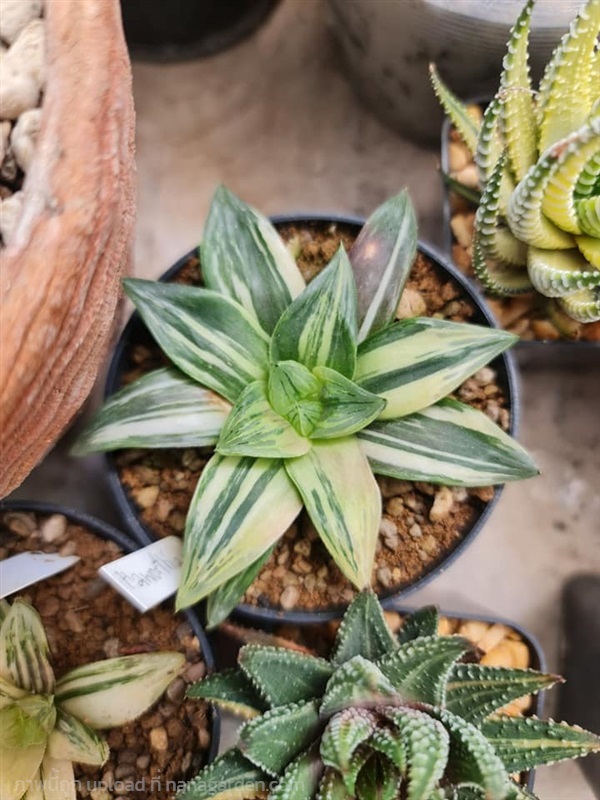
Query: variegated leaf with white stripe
x,y
414,363
343,501
208,336
381,259
244,258
345,406
319,328
223,600
71,739
240,508
164,408
24,650
449,443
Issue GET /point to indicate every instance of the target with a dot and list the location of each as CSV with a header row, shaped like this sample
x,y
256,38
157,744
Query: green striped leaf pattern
x,y
416,362
345,406
343,501
363,631
254,429
229,777
284,676
209,337
164,408
225,598
73,740
230,690
295,393
24,650
381,258
240,508
244,258
319,328
449,443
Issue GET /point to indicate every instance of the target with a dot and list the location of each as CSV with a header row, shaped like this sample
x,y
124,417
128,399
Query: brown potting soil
x,y
86,621
421,523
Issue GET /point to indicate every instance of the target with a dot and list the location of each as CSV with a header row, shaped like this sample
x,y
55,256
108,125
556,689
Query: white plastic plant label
x,y
20,571
148,576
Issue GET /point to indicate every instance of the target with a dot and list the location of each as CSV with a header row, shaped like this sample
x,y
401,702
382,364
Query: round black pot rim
x,y
105,531
264,615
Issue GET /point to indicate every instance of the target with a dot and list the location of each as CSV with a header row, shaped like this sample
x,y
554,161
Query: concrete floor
x,y
276,121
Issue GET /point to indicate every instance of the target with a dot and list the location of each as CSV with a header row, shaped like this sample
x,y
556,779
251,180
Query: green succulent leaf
x,y
423,622
449,443
231,690
381,259
280,735
319,328
472,759
225,598
474,691
164,408
377,780
498,278
343,735
72,740
295,393
343,501
363,632
526,742
301,779
332,787
555,273
240,508
357,762
472,196
244,258
4,609
346,407
357,682
58,779
419,669
24,650
414,363
9,693
209,337
19,730
110,693
518,792
284,676
390,743
254,429
19,767
458,112
426,745
229,777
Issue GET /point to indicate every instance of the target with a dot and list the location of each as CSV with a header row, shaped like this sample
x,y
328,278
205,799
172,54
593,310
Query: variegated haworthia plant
x,y
46,725
537,225
305,391
414,717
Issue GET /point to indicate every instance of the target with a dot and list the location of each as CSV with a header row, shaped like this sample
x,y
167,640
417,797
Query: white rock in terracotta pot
x,y
15,15
24,135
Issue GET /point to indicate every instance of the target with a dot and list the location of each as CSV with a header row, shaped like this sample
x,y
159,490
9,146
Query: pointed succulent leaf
x,y
343,735
209,337
498,278
345,406
426,746
280,735
19,766
414,363
332,787
254,429
240,508
518,115
58,779
319,328
489,142
18,729
419,669
390,743
343,501
449,443
555,273
230,690
24,650
225,598
72,740
377,780
363,632
295,393
381,259
229,777
110,693
526,742
423,622
458,112
301,779
468,193
9,692
518,792
472,759
353,770
474,691
164,408
583,305
357,682
244,258
284,676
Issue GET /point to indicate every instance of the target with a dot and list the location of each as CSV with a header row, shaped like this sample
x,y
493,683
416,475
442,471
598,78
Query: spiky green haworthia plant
x,y
538,154
385,718
47,725
306,391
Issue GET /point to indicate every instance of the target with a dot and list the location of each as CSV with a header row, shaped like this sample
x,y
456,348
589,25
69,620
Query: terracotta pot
x,y
62,269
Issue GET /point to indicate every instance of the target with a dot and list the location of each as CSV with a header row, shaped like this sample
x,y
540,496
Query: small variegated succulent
x,y
309,391
537,225
407,718
47,725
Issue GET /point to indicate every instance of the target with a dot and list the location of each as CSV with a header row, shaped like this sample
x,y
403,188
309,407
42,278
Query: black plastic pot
x,y
561,353
127,545
506,376
176,30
